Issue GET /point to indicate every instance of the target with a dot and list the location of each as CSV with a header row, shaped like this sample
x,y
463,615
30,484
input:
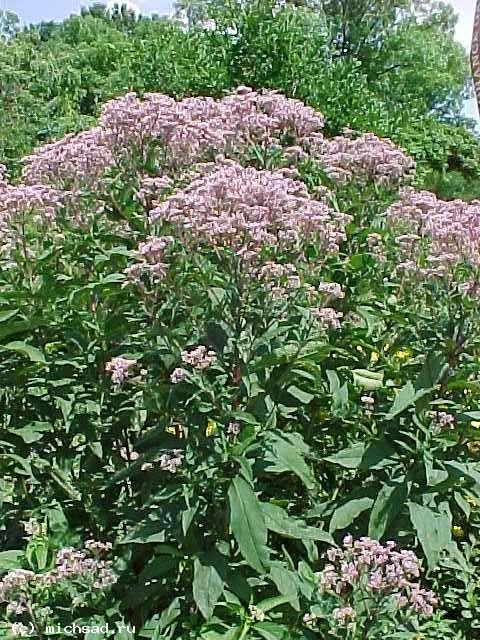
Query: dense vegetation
x,y
370,65
240,373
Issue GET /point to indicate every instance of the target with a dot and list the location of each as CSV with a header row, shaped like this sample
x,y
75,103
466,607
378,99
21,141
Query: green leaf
x,y
378,454
286,582
271,603
10,560
389,502
25,349
302,396
338,393
187,518
248,524
153,531
207,585
33,431
434,531
431,372
169,615
6,315
272,631
404,399
368,379
465,470
278,520
287,456
344,516
350,458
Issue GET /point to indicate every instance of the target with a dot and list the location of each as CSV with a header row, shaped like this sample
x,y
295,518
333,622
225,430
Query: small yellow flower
x,y
457,531
403,354
170,429
374,356
51,347
211,428
471,500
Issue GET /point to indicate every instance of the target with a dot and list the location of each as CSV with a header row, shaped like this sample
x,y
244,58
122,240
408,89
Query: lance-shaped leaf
x,y
285,454
208,582
248,524
388,504
433,531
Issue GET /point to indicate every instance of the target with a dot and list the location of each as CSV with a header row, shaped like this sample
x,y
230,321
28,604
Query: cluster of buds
x,y
256,614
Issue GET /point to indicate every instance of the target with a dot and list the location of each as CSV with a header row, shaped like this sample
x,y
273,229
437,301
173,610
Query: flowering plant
x,y
227,350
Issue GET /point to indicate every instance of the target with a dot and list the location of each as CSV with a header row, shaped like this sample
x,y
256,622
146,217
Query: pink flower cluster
x,y
150,188
150,257
178,375
70,564
119,369
328,317
366,158
199,358
434,232
185,132
379,571
70,162
246,210
441,421
331,289
171,461
23,205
